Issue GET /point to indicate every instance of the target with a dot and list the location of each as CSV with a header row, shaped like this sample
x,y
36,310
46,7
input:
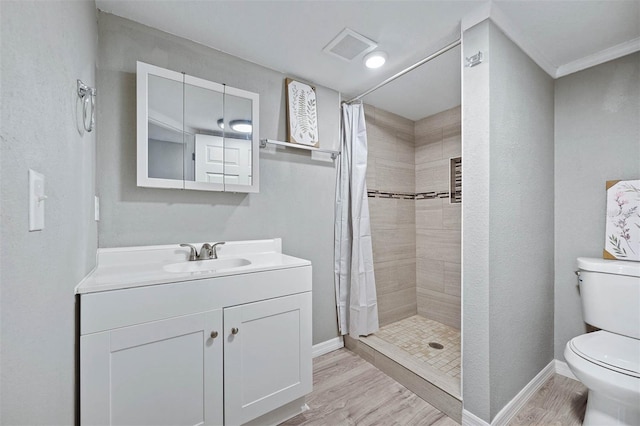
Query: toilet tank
x,y
610,293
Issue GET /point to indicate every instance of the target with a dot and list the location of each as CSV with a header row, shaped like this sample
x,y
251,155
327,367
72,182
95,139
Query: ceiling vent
x,y
349,45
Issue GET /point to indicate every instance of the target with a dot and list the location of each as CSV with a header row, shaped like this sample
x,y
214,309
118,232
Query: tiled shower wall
x,y
416,242
390,168
438,231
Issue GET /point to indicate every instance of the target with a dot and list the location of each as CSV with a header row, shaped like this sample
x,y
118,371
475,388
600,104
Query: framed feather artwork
x,y
622,239
302,113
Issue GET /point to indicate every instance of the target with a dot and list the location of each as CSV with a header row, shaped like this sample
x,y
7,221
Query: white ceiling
x,y
289,36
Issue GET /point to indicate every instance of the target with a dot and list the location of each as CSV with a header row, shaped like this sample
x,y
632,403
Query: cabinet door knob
x,y
235,330
214,334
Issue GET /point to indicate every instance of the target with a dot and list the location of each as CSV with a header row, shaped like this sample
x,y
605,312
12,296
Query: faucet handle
x,y
206,252
214,252
193,254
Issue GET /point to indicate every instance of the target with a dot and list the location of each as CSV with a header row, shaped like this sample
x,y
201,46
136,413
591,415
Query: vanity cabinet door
x,y
166,372
267,356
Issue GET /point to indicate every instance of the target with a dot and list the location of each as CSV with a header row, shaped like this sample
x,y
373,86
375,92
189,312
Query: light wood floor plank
x,y
560,401
348,391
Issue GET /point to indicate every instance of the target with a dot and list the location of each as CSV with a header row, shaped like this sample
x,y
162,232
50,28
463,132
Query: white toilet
x,y
607,362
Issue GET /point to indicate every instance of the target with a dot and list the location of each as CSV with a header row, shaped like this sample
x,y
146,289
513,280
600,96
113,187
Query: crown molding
x,y
598,58
521,40
473,18
494,13
501,20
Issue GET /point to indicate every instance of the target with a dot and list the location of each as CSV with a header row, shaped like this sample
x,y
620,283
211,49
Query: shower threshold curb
x,y
437,389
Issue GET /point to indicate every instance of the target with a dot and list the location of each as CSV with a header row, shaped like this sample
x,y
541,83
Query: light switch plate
x,y
96,208
36,201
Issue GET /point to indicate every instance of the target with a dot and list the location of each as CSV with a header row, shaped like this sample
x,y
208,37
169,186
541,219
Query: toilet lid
x,y
612,351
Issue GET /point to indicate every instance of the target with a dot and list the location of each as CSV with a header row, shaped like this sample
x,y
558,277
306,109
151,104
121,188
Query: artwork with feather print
x,y
623,220
302,113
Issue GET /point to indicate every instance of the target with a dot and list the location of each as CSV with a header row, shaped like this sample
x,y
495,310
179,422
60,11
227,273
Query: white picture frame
x,y
302,113
622,229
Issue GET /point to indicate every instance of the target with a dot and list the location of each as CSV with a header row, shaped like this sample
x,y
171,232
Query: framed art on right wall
x,y
622,229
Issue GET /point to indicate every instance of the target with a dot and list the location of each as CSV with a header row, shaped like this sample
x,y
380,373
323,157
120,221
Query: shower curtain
x,y
354,279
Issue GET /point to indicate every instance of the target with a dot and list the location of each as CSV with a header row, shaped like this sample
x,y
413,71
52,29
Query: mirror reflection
x,y
195,134
237,140
165,129
204,144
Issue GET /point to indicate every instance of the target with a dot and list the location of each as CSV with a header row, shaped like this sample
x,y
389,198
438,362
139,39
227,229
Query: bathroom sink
x,y
213,265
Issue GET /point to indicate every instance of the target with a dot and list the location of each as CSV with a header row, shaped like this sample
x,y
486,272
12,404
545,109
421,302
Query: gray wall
x,y
296,199
521,220
166,160
517,280
597,138
475,225
45,47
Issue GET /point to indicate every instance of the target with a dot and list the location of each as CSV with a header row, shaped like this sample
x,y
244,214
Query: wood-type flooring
x,y
348,391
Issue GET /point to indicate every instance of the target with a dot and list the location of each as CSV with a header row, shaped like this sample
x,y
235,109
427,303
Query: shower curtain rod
x,y
406,70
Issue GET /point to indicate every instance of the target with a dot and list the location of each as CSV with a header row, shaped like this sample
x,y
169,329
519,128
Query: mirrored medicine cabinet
x,y
194,133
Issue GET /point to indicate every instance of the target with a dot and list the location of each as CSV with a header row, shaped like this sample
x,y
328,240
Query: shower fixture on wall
x,y
87,95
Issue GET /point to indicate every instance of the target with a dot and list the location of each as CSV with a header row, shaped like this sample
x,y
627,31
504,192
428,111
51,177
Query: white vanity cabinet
x,y
266,362
166,372
225,350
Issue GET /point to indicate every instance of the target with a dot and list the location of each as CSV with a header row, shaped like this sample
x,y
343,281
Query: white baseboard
x,y
511,409
327,346
563,369
470,419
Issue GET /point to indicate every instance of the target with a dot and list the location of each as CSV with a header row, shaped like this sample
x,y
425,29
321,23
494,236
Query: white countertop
x,y
120,268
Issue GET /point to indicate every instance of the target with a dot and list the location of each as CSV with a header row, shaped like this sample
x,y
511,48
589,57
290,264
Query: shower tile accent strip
x,y
372,193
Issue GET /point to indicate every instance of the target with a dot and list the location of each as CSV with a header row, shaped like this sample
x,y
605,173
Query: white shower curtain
x,y
354,278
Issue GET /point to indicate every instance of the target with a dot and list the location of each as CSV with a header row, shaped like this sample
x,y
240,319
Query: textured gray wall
x,y
475,224
166,160
521,220
296,199
597,138
45,47
508,262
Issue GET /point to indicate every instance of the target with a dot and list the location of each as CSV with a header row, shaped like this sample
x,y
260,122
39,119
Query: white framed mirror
x,y
194,133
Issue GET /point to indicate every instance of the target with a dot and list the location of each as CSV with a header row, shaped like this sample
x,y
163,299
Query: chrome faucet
x,y
214,252
193,253
207,251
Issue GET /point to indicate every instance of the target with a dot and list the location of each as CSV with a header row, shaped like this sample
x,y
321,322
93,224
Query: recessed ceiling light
x,y
241,126
375,59
221,123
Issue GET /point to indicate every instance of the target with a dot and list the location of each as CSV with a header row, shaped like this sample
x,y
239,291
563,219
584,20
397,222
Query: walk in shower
x,y
414,191
414,183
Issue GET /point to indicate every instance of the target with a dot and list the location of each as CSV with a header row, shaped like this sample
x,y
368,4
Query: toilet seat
x,y
608,350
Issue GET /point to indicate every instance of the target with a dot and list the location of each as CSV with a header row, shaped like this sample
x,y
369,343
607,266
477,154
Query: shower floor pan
x,y
402,351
